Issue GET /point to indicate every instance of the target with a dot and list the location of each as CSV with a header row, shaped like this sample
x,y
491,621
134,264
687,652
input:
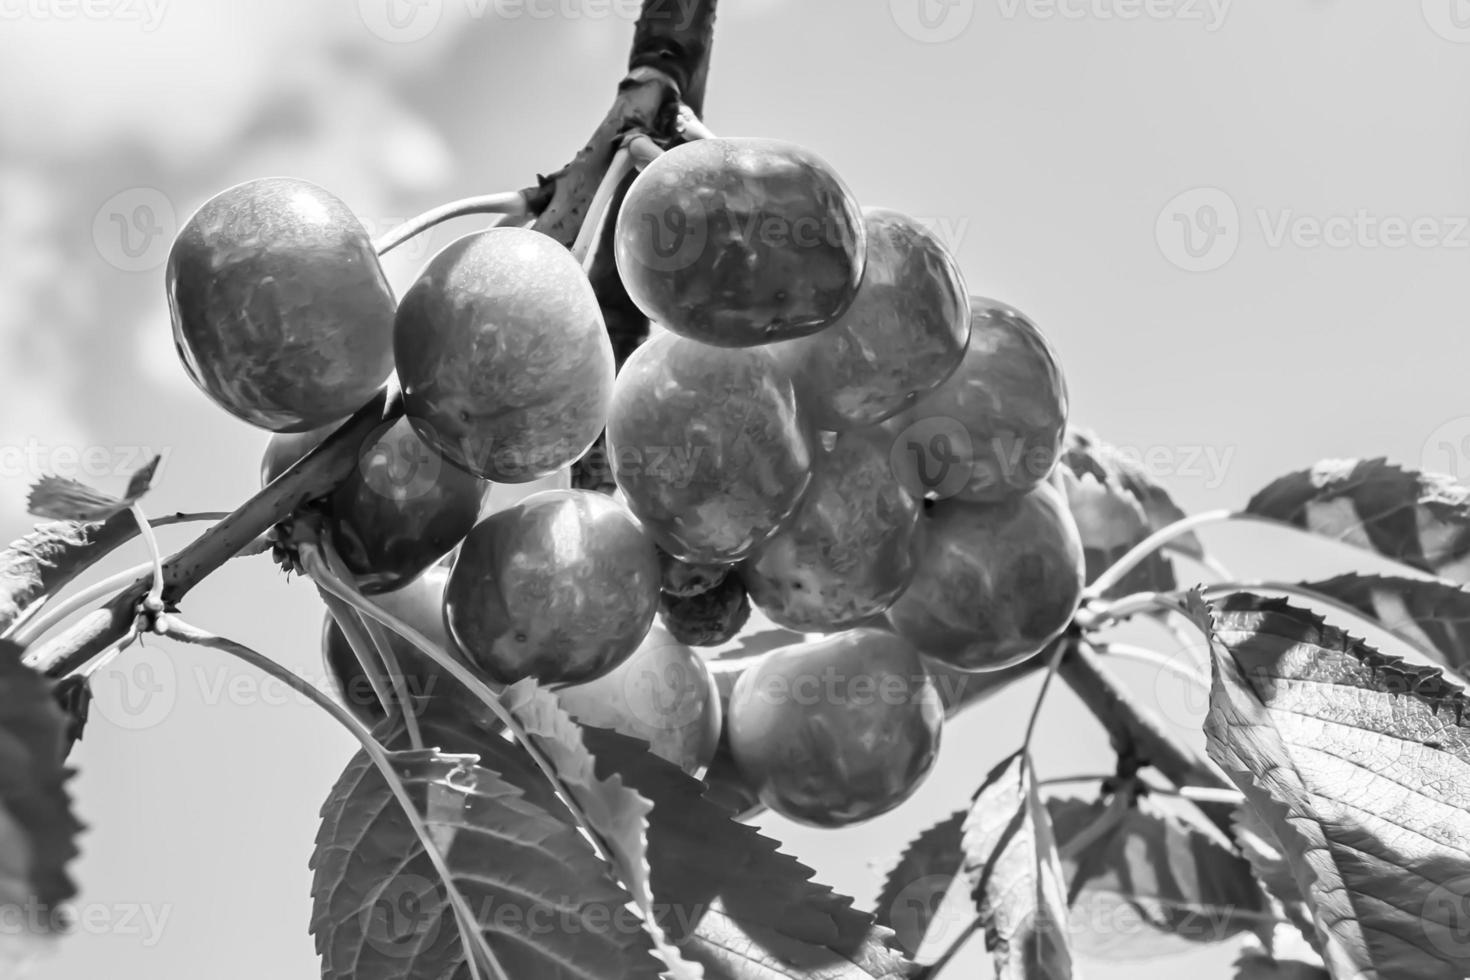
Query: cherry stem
x,y
385,662
352,628
690,126
1054,658
482,691
642,149
512,203
1111,816
1127,651
177,629
1141,552
26,633
584,249
153,603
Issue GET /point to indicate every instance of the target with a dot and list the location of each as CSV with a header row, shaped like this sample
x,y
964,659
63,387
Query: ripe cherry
x,y
561,587
662,694
996,582
904,334
280,311
737,242
505,364
400,511
994,428
709,446
838,730
849,550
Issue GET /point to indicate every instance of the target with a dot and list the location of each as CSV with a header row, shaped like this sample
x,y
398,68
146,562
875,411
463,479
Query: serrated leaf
x,y
1360,764
914,891
1257,843
1110,517
1019,889
616,814
1433,617
1158,882
37,828
729,897
545,903
63,499
51,556
1420,519
1085,453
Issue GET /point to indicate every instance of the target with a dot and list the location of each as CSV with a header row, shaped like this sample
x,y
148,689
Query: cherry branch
x,y
668,65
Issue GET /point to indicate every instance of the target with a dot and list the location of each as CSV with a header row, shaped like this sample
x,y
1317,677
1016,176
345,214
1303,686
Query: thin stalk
x,y
584,249
26,633
1128,651
470,935
1140,552
507,202
350,624
154,601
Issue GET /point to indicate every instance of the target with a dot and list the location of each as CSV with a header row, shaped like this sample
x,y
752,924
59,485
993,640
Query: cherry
x,y
996,582
281,314
420,603
838,730
994,428
709,446
905,333
738,242
398,513
662,694
504,361
561,587
849,551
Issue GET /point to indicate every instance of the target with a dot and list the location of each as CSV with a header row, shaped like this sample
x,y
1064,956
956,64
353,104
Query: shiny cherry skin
x,y
999,420
709,446
738,242
838,730
903,336
505,364
420,604
561,587
850,549
663,694
281,314
400,511
996,582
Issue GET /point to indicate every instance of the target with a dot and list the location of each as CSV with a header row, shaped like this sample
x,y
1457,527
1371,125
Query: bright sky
x,y
1247,230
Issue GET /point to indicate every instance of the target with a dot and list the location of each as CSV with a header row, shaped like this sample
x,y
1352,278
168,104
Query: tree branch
x,y
1137,732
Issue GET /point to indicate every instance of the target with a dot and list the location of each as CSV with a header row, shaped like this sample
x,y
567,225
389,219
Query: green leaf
x,y
1110,516
1085,453
1019,888
545,903
615,814
1258,844
1433,617
913,891
1158,882
1420,519
729,897
1263,966
1360,765
62,499
51,556
37,828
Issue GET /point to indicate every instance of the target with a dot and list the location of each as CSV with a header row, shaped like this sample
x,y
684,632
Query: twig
x,y
1140,552
514,203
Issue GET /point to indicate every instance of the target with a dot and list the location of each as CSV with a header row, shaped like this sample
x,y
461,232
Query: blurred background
x,y
1246,228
